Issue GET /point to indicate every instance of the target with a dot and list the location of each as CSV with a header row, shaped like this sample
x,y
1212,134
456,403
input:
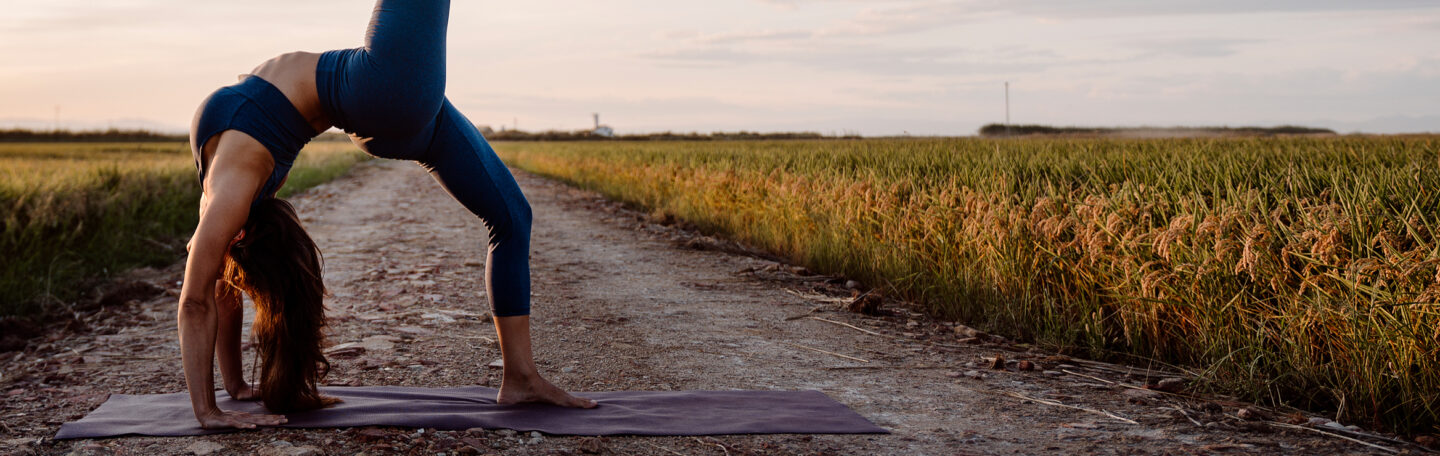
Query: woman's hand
x,y
245,393
222,419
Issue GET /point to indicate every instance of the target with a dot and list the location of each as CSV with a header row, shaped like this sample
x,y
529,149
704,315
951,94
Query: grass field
x,y
70,212
1302,271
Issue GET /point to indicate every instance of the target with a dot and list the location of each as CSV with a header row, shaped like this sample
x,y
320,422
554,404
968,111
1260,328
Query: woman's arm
x,y
236,172
227,345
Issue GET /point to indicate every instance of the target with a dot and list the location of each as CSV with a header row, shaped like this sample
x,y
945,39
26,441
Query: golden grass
x,y
1289,270
76,211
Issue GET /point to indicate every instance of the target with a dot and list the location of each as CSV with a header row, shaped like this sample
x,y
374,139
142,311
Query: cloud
x,y
864,58
1117,8
1193,47
750,37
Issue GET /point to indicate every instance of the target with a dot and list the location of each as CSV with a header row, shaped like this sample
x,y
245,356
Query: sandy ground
x,y
624,302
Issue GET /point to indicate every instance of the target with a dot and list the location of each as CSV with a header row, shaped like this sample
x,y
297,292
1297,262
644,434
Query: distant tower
x,y
602,130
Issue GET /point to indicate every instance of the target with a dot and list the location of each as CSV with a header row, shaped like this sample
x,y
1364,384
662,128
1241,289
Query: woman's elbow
x,y
194,311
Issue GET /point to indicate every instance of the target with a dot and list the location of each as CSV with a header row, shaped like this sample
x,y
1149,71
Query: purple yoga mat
x,y
620,412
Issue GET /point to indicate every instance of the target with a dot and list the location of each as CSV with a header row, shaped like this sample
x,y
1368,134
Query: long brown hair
x,y
279,266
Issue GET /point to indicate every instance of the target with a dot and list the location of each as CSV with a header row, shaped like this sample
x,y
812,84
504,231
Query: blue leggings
x,y
390,97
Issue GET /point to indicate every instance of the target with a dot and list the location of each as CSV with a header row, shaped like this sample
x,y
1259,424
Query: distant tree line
x,y
587,135
110,135
993,130
117,135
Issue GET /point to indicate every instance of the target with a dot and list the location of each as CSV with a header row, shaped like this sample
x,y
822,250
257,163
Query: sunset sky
x,y
878,67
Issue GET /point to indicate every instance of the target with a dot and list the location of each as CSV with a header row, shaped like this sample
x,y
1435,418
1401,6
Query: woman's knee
x,y
516,226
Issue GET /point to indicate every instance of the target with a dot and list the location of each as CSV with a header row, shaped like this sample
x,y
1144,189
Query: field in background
x,y
70,212
1302,271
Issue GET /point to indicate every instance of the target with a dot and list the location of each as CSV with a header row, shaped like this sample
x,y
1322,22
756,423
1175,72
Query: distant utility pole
x,y
1007,102
597,121
1007,108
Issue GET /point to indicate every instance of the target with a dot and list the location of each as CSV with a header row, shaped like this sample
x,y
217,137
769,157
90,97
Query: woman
x,y
389,95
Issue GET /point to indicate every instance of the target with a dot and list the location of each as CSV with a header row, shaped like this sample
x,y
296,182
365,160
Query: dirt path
x,y
621,303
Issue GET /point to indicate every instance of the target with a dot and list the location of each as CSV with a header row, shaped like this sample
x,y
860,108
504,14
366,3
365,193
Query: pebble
x,y
204,448
1170,385
567,369
1053,373
966,331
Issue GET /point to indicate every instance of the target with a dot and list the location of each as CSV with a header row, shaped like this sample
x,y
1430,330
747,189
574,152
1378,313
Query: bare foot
x,y
538,390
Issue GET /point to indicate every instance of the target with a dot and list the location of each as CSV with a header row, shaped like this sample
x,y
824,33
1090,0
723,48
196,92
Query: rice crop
x,y
1297,271
74,212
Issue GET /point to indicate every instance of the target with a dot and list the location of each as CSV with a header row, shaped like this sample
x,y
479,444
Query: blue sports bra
x,y
258,109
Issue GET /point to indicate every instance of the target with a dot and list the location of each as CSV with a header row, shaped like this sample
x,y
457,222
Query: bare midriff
x,y
294,75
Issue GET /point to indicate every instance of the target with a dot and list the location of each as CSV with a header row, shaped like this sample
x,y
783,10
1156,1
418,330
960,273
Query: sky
x,y
872,67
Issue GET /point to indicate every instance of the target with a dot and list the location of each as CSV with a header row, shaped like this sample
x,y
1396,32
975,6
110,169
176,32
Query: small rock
x,y
963,331
506,432
1335,425
283,448
975,374
379,343
345,350
1428,441
953,374
867,303
90,449
1140,397
1317,421
1212,408
1053,373
567,369
204,447
372,434
473,445
1251,415
851,284
591,445
1168,385
496,364
1025,366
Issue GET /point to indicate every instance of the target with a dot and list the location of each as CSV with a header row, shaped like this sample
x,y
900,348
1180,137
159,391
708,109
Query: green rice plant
x,y
1300,271
74,212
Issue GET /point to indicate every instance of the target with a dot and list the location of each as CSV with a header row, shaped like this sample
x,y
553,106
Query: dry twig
x,y
1332,434
847,325
829,352
722,446
666,449
1057,404
1186,415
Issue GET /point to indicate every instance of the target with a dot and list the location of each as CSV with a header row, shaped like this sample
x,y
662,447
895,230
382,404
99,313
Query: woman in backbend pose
x,y
389,95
